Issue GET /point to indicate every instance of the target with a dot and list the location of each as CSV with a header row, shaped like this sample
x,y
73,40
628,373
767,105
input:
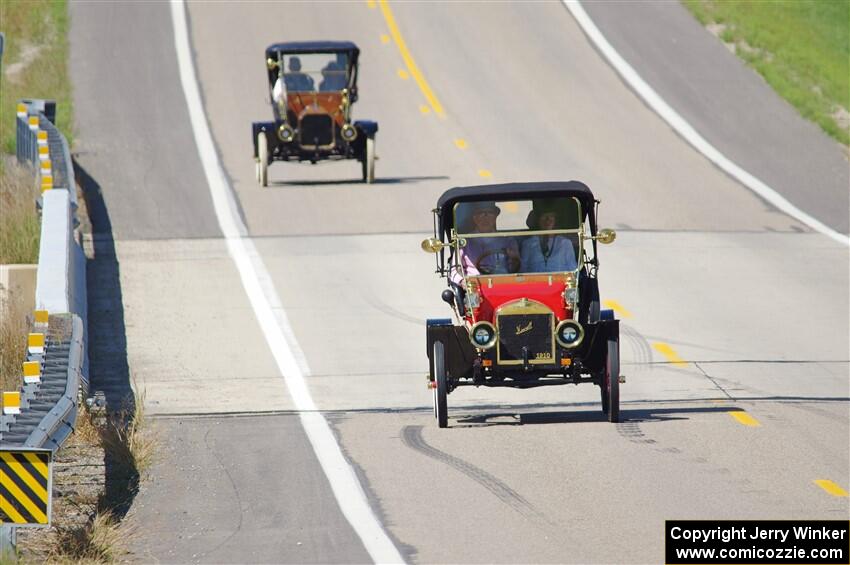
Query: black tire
x,y
368,161
441,388
611,381
262,159
603,393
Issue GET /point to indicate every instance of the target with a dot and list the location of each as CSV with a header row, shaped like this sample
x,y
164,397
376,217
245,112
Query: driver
x,y
296,81
488,255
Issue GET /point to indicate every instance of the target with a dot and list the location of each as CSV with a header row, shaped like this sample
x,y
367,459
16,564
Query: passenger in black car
x,y
296,81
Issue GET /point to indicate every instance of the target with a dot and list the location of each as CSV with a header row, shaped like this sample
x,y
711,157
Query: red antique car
x,y
520,261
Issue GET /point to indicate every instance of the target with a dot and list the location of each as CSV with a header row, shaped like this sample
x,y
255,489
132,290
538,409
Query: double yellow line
x,y
412,68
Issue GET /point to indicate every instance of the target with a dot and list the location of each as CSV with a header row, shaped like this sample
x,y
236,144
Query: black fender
x,y
459,352
595,349
366,128
270,128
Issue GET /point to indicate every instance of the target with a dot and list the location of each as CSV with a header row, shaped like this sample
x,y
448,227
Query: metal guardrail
x,y
36,117
48,409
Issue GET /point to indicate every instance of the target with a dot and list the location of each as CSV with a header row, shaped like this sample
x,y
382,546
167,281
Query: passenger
x,y
279,92
487,255
333,78
296,81
546,253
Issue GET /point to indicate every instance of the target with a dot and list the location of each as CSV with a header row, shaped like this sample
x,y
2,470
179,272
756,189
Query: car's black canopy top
x,y
301,47
514,191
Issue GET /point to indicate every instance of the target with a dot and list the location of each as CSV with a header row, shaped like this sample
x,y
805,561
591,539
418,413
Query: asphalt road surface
x,y
748,407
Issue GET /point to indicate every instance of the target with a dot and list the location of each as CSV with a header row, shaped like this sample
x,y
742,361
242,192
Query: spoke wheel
x,y
441,388
368,161
262,159
611,380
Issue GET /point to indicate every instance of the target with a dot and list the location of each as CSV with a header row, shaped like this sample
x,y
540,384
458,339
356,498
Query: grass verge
x,y
13,341
88,525
35,64
20,227
800,47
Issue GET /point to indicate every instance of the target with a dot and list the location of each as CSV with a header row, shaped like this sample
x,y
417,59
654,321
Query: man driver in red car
x,y
494,255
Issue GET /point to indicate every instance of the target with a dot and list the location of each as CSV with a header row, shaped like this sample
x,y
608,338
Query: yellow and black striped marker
x,y
25,487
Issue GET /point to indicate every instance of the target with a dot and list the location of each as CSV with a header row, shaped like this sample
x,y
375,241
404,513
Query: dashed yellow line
x,y
402,74
371,3
744,418
424,109
385,38
484,173
408,59
670,354
460,143
830,487
618,308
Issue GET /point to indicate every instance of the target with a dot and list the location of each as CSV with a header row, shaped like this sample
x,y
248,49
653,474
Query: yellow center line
x,y
385,38
424,109
618,308
371,3
402,74
831,487
460,143
744,418
408,59
484,173
671,355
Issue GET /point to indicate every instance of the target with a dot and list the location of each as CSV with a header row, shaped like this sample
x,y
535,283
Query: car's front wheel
x,y
368,161
440,385
262,159
611,381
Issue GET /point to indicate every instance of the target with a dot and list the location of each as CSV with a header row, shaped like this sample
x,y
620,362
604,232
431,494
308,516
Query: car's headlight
x,y
285,133
349,132
569,334
483,335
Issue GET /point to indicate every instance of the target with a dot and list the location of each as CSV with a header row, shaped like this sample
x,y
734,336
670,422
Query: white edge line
x,y
684,129
272,318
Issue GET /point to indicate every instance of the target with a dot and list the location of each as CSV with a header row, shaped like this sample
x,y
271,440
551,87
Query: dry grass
x,y
127,439
20,227
14,325
100,540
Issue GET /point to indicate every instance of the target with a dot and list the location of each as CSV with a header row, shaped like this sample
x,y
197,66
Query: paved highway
x,y
735,317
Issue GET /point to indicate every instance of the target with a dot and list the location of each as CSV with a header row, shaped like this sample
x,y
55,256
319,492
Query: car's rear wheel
x,y
262,159
368,161
611,381
440,385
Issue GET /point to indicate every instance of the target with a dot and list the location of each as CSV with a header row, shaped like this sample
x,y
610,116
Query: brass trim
x,y
521,233
490,343
569,322
518,307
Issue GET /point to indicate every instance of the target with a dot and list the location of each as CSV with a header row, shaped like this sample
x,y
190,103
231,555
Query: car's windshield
x,y
519,236
309,72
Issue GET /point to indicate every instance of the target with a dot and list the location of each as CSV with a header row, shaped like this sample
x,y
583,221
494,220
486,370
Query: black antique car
x,y
312,85
520,262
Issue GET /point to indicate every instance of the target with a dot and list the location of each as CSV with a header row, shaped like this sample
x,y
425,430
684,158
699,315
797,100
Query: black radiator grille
x,y
316,129
525,330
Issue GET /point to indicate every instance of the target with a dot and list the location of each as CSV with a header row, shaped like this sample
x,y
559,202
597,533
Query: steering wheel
x,y
485,255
